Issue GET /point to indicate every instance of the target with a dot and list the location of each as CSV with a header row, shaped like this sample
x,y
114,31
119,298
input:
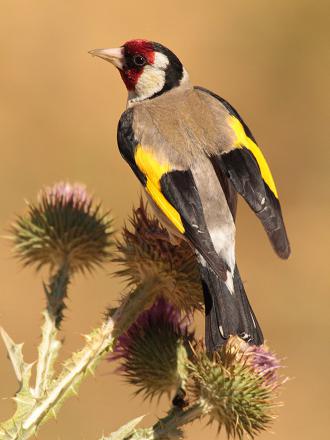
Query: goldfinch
x,y
193,153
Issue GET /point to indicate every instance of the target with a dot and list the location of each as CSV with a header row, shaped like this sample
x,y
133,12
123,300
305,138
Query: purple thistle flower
x,y
264,362
66,193
153,350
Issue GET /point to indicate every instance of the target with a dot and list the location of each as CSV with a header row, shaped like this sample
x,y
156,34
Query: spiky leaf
x,y
24,398
124,431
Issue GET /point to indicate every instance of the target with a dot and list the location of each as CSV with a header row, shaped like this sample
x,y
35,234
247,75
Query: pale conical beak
x,y
114,56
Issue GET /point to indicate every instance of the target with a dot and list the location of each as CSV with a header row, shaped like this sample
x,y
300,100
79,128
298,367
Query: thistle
x,y
67,233
154,350
233,390
64,227
146,251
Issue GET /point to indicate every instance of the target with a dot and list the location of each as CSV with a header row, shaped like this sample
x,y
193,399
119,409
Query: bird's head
x,y
148,69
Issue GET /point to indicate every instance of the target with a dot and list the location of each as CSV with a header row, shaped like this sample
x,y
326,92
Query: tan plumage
x,y
181,124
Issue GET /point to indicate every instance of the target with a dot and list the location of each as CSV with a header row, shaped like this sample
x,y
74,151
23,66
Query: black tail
x,y
227,313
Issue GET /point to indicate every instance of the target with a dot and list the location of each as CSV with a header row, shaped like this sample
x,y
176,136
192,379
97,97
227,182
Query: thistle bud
x,y
63,227
153,352
146,251
235,391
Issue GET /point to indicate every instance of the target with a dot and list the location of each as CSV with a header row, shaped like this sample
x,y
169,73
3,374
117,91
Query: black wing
x,y
180,190
248,171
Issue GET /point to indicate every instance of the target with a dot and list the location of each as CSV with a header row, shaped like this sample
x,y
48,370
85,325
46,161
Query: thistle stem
x,y
137,301
166,428
48,352
98,343
49,347
56,292
89,356
176,418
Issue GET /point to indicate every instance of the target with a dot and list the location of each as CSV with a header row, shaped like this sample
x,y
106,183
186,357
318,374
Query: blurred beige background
x,y
58,115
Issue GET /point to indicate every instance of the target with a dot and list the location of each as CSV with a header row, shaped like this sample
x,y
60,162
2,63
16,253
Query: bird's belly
x,y
218,217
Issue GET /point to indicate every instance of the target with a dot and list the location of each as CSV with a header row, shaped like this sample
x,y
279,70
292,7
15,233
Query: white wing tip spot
x,y
229,282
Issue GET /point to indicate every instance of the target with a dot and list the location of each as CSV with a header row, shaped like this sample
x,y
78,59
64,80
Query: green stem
x,y
48,351
98,343
137,301
56,292
170,424
166,428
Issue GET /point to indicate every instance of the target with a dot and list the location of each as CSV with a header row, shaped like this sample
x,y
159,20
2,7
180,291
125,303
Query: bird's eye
x,y
139,60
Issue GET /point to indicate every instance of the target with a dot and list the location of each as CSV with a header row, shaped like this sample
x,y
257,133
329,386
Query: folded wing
x,y
246,168
173,191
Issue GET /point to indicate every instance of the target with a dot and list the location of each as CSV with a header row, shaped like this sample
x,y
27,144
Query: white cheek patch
x,y
150,82
161,61
152,79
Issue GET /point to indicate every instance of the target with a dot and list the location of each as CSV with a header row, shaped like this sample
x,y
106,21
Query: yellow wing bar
x,y
153,170
242,140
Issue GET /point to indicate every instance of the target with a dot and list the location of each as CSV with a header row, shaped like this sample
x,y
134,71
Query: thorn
x,y
88,338
16,426
14,353
6,432
53,413
66,368
91,370
73,390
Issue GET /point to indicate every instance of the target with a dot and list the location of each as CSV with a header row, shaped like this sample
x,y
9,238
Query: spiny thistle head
x,y
153,351
64,227
145,251
235,392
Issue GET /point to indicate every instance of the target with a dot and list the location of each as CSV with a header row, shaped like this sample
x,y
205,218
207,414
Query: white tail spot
x,y
221,331
229,282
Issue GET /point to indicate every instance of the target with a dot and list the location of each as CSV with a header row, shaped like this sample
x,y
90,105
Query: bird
x,y
193,154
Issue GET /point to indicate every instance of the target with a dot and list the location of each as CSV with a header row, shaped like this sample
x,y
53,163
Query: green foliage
x,y
125,430
24,399
149,332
